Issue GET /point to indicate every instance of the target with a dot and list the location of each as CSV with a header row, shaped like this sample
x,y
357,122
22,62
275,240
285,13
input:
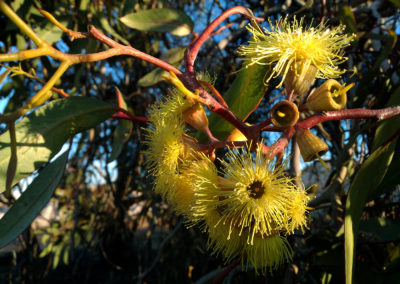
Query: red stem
x,y
193,50
347,114
280,145
129,50
123,114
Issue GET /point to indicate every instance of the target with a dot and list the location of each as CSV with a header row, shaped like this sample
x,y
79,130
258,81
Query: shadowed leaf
x,y
32,201
366,180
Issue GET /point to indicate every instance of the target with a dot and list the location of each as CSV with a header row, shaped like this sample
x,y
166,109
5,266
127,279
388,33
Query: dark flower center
x,y
256,189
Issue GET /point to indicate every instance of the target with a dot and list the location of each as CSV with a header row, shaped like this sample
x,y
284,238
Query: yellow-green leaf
x,y
159,20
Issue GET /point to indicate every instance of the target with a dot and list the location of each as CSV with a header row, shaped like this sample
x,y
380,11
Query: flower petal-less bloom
x,y
253,202
267,252
165,141
288,43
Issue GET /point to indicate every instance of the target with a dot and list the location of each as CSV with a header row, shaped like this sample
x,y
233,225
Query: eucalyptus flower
x,y
298,54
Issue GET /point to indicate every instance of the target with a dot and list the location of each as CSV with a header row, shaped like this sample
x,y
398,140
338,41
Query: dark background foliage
x,y
109,225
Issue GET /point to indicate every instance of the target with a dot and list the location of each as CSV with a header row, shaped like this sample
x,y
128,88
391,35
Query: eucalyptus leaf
x,y
159,20
347,18
32,201
42,133
366,181
109,29
243,96
174,56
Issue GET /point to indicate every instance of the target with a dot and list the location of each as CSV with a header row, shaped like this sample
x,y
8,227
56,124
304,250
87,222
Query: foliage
x,y
109,224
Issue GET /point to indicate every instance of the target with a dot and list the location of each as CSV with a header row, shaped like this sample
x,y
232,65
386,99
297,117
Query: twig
x,y
348,114
193,50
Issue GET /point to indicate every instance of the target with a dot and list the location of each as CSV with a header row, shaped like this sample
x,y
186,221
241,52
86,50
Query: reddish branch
x,y
221,144
193,50
280,145
348,114
129,50
123,114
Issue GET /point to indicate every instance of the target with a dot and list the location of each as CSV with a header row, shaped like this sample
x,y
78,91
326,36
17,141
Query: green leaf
x,y
66,255
383,133
391,179
366,180
57,252
347,18
42,133
389,126
121,136
173,56
152,78
50,33
159,20
32,201
109,29
4,75
243,96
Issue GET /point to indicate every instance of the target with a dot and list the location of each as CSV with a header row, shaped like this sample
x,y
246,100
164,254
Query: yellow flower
x,y
267,252
298,211
170,110
251,196
291,47
165,145
221,238
166,142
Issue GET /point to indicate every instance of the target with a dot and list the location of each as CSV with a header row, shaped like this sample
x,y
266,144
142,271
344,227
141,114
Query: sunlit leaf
x,y
159,20
42,133
50,33
32,201
109,29
243,96
174,56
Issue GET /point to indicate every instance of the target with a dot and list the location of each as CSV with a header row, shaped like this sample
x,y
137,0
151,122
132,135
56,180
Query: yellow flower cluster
x,y
297,53
247,207
300,54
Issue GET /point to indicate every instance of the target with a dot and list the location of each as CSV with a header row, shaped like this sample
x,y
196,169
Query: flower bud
x,y
284,114
329,96
299,77
190,148
311,147
196,117
236,135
